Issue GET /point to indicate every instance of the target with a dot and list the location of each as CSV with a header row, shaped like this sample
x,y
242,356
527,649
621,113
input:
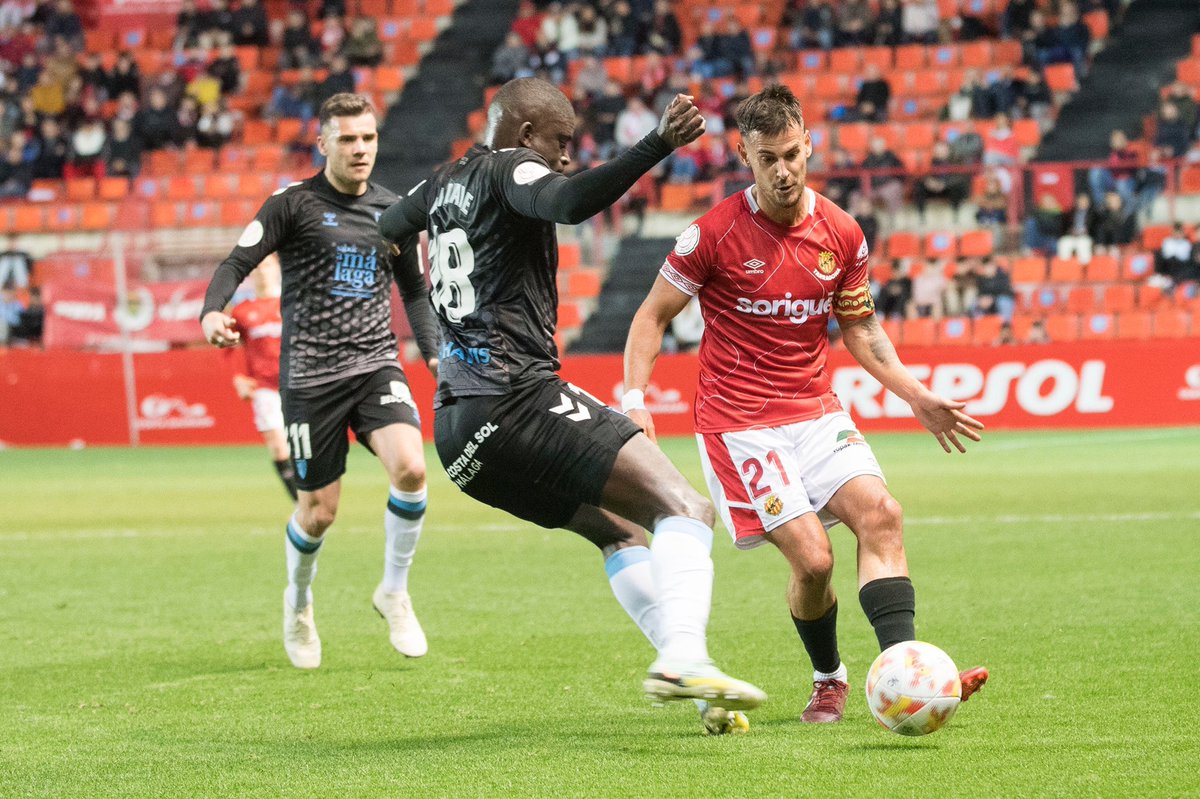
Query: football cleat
x,y
404,631
719,721
701,681
827,702
972,680
300,639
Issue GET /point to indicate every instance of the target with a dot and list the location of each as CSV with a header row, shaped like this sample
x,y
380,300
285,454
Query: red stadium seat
x,y
583,284
1134,325
97,216
1172,323
903,244
1098,327
1103,269
1153,236
975,244
1031,269
81,189
954,330
1081,299
986,330
845,59
1066,270
1137,266
1119,298
918,332
1062,327
941,244
569,315
1060,78
911,56
113,188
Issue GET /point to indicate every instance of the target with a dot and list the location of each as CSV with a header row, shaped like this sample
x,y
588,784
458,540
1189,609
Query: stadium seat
x,y
918,332
903,244
1188,71
29,218
569,255
437,8
1189,179
1172,323
267,158
1060,78
1098,327
165,214
1097,24
879,56
1066,270
854,136
237,213
182,187
1118,298
985,330
583,284
113,188
945,56
845,59
161,163
81,189
1081,299
62,218
1153,236
1134,325
1137,266
675,197
910,57
569,315
1103,269
1062,327
1152,298
975,244
977,54
1031,269
954,330
97,216
1027,132
941,244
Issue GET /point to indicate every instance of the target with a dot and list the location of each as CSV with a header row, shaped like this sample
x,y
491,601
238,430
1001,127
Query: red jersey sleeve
x,y
689,265
852,300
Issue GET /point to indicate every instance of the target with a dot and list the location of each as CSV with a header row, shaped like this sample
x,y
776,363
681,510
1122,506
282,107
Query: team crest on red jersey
x,y
827,266
774,505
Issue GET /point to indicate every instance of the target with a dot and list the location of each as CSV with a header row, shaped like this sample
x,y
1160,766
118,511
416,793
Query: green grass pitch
x,y
140,649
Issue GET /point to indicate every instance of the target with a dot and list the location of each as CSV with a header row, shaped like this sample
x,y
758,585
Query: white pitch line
x,y
1058,440
1003,519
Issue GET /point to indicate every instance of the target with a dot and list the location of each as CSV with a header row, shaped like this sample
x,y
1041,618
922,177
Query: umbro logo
x,y
754,266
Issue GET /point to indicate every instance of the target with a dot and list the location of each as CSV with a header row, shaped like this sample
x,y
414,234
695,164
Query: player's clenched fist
x,y
681,123
219,329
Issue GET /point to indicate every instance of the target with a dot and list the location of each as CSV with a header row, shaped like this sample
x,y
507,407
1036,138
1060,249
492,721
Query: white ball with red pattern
x,y
913,688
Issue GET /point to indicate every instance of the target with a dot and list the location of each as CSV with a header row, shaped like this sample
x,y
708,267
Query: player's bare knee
x,y
409,476
316,517
700,508
884,525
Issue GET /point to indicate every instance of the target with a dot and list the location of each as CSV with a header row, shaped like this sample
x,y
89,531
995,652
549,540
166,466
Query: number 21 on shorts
x,y
753,472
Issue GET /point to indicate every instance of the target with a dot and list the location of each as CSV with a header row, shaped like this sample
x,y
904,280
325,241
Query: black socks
x,y
890,604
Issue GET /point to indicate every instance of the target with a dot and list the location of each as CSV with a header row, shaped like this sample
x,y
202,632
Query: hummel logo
x,y
330,219
754,266
581,412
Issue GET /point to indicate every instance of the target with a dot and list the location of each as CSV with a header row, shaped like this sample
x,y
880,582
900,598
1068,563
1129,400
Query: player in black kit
x,y
509,431
339,365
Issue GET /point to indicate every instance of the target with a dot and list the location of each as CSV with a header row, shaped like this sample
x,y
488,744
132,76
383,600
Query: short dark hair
x,y
344,104
770,112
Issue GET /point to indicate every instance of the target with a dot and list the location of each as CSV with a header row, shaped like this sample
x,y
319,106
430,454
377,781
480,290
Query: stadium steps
x,y
1123,84
433,108
629,280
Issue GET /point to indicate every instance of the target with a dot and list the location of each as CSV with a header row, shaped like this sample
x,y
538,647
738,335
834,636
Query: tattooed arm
x,y
870,346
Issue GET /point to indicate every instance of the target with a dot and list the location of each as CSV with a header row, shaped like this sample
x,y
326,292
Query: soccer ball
x,y
913,688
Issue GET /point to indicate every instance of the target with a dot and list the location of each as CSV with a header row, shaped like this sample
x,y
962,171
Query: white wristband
x,y
634,400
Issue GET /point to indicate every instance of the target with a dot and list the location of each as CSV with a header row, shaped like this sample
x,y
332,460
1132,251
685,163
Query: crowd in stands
x,y
65,114
21,310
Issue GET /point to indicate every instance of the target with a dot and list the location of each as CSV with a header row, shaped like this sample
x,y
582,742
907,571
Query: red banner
x,y
85,315
185,396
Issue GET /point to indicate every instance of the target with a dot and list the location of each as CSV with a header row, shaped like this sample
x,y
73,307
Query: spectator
x,y
1003,90
992,205
1180,94
94,76
853,23
16,175
873,96
1081,224
1044,226
156,125
187,25
123,150
734,47
227,69
11,308
604,112
1074,38
295,101
663,35
1117,223
63,23
961,290
941,184
592,77
14,13
362,46
1005,337
864,214
511,60
894,298
1037,333
1150,181
1000,146
889,24
1174,257
49,100
816,27
1039,43
1033,100
1119,173
654,76
187,117
28,329
928,286
634,122
995,291
527,23
16,265
333,33
215,25
971,101
250,24
1173,136
339,79
919,21
86,154
215,125
126,76
205,88
1016,18
554,20
52,151
622,30
844,183
887,189
593,32
298,48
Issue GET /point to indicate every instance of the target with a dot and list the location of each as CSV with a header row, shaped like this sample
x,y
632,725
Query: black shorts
x,y
317,417
538,453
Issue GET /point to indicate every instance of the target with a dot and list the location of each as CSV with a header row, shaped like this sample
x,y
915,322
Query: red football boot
x,y
972,680
827,702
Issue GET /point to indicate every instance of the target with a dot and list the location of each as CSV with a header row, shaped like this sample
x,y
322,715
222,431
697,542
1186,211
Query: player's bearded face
x,y
350,145
779,163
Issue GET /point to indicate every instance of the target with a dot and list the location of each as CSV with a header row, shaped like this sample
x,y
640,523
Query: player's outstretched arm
x,y
662,304
869,344
571,200
410,281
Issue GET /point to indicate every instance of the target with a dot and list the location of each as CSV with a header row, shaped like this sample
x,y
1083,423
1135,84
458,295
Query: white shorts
x,y
268,410
764,477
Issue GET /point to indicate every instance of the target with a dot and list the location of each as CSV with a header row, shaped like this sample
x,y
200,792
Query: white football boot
x,y
404,630
702,680
300,639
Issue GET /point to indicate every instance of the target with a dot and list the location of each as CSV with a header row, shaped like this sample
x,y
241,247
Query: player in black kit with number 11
x,y
514,435
339,367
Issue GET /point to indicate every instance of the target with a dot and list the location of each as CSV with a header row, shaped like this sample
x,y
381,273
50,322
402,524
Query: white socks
x,y
683,575
841,675
632,580
402,523
302,550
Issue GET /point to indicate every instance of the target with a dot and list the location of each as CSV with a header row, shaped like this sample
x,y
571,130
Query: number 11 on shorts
x,y
301,442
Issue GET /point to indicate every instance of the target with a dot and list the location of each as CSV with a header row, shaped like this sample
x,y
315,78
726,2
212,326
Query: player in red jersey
x,y
783,460
260,325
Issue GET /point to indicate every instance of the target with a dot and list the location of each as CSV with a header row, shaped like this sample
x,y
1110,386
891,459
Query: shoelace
x,y
827,695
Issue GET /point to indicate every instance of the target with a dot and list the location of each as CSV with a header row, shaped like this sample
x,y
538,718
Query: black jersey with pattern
x,y
493,273
337,277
